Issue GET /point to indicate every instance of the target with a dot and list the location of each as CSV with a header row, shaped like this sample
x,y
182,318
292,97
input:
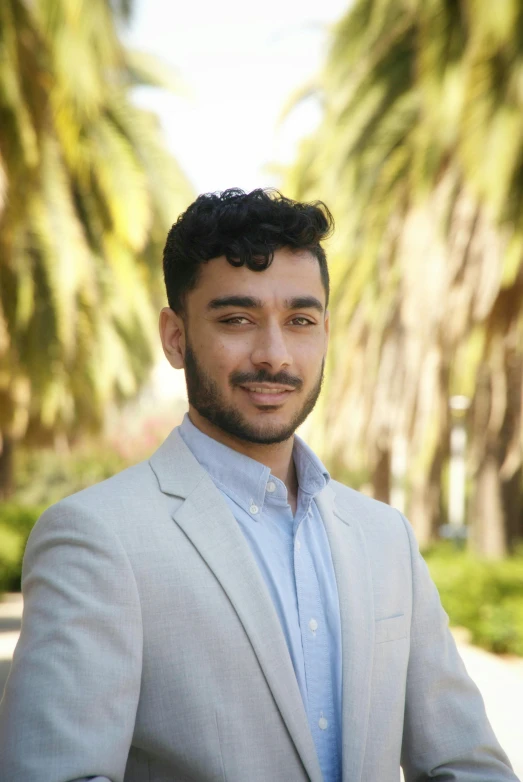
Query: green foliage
x,y
87,193
16,522
483,596
419,156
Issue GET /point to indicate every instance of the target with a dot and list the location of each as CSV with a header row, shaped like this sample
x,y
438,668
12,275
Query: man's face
x,y
254,344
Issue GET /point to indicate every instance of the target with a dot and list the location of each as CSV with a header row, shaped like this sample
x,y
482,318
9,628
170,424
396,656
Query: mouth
x,y
267,395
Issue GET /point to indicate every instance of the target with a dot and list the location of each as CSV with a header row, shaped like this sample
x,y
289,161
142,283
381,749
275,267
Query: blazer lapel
x,y
353,577
208,522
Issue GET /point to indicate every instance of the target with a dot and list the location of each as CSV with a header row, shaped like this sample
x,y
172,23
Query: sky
x,y
238,63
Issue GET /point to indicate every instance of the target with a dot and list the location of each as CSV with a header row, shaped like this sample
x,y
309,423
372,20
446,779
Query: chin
x,y
266,433
259,426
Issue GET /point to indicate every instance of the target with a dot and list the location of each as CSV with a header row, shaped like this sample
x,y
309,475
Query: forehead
x,y
291,274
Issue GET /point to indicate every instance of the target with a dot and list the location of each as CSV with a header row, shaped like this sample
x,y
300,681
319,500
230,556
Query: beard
x,y
205,396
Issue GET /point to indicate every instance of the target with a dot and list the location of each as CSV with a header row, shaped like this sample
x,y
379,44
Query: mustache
x,y
262,376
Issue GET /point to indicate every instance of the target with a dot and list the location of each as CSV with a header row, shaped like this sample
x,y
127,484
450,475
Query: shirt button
x,y
298,545
323,724
254,509
313,624
271,486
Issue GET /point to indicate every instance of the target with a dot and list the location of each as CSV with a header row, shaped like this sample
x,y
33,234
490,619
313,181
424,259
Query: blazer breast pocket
x,y
392,628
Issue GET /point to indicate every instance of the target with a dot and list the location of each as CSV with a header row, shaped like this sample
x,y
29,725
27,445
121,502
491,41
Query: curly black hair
x,y
245,227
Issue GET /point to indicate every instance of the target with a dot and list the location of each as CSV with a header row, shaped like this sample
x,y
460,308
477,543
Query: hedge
x,y
16,522
484,596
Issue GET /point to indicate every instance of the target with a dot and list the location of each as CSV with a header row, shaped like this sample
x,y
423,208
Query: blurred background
x,y
406,118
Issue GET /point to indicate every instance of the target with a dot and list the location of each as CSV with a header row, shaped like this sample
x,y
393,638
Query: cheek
x,y
308,364
220,357
310,353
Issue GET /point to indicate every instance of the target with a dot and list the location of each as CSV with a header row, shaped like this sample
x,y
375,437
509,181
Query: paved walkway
x,y
499,679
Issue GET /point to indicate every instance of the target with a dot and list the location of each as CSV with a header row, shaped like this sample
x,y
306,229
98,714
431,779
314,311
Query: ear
x,y
172,334
326,325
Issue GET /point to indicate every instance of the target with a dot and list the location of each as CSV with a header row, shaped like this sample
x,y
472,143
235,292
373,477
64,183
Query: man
x,y
226,611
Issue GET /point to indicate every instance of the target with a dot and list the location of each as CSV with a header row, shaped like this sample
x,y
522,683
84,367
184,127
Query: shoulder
x,y
379,522
121,491
369,510
135,505
116,505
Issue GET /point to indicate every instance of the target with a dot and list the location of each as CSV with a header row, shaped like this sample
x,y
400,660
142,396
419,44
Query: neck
x,y
277,457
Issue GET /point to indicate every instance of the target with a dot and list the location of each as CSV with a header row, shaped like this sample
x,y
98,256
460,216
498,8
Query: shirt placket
x,y
320,702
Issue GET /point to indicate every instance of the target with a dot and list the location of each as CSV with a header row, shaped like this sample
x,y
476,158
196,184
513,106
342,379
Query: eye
x,y
237,320
300,320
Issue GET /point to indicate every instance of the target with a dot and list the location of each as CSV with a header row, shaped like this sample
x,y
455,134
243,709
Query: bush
x,y
483,596
16,522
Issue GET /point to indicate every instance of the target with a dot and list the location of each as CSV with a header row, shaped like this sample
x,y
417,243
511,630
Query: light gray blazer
x,y
150,649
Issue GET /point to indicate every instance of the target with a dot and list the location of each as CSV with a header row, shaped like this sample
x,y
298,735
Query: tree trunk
x,y
512,496
425,503
496,524
381,477
488,532
511,487
6,466
424,512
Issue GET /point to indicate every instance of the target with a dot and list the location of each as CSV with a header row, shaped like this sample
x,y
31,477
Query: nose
x,y
271,350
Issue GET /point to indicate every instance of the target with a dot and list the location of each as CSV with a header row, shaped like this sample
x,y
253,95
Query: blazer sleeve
x,y
70,700
446,732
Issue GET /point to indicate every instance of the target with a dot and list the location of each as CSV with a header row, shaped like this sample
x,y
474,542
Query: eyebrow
x,y
304,303
250,302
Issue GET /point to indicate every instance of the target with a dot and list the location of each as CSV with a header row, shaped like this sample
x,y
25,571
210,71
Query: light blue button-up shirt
x,y
294,557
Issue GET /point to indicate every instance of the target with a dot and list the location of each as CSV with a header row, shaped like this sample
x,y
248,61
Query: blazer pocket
x,y
390,629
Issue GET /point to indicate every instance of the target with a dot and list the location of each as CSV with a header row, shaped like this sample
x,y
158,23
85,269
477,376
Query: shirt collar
x,y
244,479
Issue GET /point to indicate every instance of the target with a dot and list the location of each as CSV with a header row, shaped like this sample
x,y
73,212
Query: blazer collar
x,y
177,470
206,519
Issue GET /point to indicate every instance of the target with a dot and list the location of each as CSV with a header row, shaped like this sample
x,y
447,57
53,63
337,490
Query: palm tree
x,y
88,193
420,154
